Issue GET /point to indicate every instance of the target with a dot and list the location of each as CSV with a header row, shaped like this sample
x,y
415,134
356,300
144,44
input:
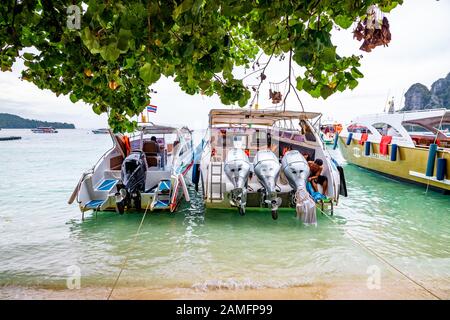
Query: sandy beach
x,y
395,290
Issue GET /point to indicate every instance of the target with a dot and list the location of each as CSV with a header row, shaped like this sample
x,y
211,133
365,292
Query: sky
x,y
419,52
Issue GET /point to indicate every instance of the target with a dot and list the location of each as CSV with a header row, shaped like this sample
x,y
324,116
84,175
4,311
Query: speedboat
x,y
101,131
257,159
44,130
407,146
328,129
143,170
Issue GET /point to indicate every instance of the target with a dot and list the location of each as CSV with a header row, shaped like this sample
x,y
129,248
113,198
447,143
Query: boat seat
x,y
151,148
152,161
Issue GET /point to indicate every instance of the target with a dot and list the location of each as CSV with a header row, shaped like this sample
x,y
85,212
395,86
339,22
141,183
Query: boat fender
x,y
431,158
184,186
440,170
336,139
174,194
367,148
394,149
196,175
343,183
349,138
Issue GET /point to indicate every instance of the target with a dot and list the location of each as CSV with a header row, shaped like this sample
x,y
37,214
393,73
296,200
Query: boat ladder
x,y
161,200
216,182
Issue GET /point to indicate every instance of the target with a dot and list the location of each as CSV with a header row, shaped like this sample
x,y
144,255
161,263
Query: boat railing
x,y
422,110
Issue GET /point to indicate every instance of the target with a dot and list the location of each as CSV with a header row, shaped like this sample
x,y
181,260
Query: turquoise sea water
x,y
41,236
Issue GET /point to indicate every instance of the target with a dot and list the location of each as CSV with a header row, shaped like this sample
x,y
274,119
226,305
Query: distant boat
x,y
10,138
44,130
407,146
101,131
328,129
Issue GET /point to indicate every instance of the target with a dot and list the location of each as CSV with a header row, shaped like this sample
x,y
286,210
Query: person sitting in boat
x,y
153,138
315,177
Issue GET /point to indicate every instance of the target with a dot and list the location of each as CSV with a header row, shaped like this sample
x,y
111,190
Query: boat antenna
x,y
387,99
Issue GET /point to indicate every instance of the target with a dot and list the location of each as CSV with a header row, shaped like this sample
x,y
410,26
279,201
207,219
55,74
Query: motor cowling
x,y
296,169
133,171
267,169
237,169
133,174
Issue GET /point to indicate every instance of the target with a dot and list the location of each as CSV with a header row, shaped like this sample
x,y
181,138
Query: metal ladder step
x,y
216,183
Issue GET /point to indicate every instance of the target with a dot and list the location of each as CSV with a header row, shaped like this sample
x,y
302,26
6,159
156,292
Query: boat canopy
x,y
429,119
256,117
149,127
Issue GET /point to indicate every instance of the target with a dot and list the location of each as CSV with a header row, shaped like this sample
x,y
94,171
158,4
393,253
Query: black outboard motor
x,y
132,174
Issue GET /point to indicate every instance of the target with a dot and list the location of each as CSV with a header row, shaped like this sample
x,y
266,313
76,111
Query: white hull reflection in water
x,y
202,255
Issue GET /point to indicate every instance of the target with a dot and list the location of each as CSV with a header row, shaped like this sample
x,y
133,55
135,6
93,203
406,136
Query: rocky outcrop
x,y
418,97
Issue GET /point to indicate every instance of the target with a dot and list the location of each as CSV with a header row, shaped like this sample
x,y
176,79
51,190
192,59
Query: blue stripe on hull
x,y
107,185
94,204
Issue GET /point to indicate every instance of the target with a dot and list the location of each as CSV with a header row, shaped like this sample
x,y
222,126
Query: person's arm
x,y
316,175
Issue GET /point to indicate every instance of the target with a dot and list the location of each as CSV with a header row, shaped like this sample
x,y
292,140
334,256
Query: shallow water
x,y
41,236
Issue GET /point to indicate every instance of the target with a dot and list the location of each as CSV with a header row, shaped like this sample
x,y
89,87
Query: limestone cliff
x,y
419,97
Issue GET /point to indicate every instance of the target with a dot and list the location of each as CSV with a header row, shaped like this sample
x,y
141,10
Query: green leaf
x,y
299,83
326,91
28,56
388,7
90,41
197,6
343,21
356,73
123,40
183,7
73,98
352,84
110,52
329,55
149,74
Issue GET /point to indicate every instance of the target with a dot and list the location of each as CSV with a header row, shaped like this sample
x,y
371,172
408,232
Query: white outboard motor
x,y
296,170
237,169
267,169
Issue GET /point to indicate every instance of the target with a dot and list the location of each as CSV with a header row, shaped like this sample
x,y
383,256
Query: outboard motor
x,y
132,174
296,170
267,169
237,169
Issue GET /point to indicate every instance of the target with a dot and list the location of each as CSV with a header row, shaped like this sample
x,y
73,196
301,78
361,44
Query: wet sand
x,y
397,289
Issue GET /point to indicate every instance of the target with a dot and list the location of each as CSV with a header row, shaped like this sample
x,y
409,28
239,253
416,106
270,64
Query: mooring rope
x,y
355,239
128,252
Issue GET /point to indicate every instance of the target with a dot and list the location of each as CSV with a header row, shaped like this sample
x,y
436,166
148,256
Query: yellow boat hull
x,y
411,163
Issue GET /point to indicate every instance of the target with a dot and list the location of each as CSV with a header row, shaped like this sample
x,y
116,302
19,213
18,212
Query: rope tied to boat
x,y
128,252
377,255
305,206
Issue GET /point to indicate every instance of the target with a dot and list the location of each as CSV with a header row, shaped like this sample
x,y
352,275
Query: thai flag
x,y
151,108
